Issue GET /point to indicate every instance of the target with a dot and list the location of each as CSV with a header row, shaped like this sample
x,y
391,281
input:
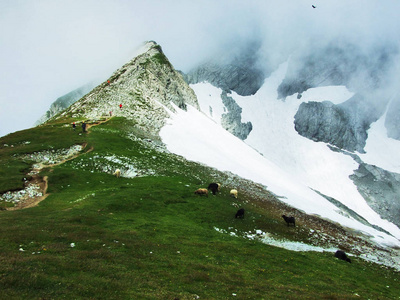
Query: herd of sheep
x,y
216,187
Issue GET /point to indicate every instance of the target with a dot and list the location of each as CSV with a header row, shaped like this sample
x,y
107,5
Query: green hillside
x,y
148,236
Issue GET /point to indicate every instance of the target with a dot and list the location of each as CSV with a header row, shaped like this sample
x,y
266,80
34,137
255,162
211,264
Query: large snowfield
x,y
274,155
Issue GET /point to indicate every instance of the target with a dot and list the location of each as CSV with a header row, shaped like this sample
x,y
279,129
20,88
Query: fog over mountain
x,y
51,48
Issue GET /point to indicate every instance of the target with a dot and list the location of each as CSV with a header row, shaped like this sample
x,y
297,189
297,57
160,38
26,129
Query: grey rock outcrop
x,y
381,190
344,125
232,120
147,87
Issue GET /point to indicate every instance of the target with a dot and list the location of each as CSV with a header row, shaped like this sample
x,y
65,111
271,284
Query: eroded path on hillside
x,y
35,188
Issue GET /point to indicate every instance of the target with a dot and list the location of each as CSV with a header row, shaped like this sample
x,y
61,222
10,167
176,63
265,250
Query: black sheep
x,y
342,255
289,220
214,187
240,214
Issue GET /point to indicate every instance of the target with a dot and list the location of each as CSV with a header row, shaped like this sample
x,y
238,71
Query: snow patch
x,y
381,151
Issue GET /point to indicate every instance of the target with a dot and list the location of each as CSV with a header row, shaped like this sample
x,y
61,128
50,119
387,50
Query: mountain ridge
x,y
145,87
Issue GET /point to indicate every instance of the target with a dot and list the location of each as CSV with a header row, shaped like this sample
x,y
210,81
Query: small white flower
x,y
22,250
72,245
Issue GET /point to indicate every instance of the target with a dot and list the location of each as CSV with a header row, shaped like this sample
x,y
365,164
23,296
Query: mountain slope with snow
x,y
203,123
275,155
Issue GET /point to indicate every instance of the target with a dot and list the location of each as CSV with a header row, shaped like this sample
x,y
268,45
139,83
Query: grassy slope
x,y
150,237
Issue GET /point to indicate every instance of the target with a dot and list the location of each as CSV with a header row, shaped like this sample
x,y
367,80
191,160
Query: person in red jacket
x,y
120,106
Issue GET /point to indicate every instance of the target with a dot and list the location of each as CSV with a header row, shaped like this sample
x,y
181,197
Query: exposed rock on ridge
x,y
145,87
232,120
344,125
380,189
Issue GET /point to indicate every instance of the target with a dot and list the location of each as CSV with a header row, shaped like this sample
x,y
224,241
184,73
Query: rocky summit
x,y
143,90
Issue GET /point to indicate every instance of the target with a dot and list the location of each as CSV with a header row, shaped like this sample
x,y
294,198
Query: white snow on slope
x,y
381,151
290,164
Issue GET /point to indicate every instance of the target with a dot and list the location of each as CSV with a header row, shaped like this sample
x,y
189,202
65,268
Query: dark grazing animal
x,y
240,214
289,220
214,187
342,255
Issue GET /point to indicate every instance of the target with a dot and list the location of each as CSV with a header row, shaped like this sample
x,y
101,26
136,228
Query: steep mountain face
x,y
340,63
380,189
344,125
238,72
64,102
145,87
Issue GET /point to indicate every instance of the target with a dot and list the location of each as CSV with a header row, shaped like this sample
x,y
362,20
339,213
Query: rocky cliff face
x,y
232,120
146,87
326,122
380,189
344,125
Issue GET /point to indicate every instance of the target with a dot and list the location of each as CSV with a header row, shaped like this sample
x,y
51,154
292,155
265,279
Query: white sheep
x,y
117,173
201,192
234,193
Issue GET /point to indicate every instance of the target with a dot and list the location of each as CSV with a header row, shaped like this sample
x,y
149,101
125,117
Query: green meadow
x,y
148,236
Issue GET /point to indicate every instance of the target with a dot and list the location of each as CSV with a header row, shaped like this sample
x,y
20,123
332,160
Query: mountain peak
x,y
142,90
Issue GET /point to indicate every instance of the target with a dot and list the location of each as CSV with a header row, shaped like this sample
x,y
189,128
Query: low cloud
x,y
49,48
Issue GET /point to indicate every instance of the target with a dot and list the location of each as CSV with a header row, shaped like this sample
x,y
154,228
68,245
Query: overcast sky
x,y
50,47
